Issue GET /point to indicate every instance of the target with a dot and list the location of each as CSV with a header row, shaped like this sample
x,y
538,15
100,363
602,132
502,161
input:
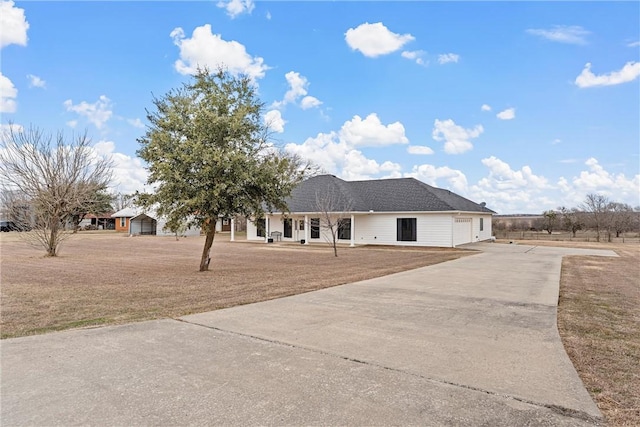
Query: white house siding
x,y
432,229
381,229
275,223
161,229
252,231
486,232
157,227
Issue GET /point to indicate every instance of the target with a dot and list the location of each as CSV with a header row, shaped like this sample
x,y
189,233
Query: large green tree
x,y
208,156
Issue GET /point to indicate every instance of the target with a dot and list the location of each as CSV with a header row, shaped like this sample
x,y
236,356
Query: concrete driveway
x,y
467,342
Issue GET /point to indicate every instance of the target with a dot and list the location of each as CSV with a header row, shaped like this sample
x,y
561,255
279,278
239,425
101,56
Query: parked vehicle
x,y
8,226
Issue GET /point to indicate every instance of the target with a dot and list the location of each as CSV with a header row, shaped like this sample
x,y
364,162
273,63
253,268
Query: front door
x,y
288,229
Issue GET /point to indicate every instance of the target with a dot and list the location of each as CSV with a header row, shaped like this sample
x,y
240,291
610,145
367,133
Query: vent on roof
x,y
483,204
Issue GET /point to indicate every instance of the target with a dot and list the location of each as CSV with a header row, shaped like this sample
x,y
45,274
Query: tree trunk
x,y
206,252
52,239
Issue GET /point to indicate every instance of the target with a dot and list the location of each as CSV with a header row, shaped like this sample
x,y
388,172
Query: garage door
x,y
461,231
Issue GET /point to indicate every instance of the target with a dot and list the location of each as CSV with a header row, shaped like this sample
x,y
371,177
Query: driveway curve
x,y
467,342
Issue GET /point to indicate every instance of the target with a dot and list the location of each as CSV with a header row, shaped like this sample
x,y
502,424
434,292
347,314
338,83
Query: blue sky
x,y
525,106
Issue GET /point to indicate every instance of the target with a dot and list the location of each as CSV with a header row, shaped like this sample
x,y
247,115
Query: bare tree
x,y
572,219
550,219
621,217
334,208
597,206
120,201
47,179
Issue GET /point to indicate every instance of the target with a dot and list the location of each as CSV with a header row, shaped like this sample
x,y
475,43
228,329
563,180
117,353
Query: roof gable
x,y
125,213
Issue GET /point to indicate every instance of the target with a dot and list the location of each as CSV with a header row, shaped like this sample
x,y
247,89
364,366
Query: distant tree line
x,y
597,213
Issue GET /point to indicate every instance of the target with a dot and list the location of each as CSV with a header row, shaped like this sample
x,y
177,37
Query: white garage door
x,y
461,231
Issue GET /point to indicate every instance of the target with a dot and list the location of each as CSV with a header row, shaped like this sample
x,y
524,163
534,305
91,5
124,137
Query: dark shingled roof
x,y
381,195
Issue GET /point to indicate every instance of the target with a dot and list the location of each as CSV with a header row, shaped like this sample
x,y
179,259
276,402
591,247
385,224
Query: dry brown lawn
x,y
108,278
599,322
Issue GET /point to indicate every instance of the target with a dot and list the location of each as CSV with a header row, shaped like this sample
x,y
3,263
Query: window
x,y
407,229
315,228
301,225
261,226
288,226
123,222
481,224
344,229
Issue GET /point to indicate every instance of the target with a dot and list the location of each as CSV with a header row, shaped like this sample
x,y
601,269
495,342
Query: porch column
x,y
233,229
306,230
353,232
266,229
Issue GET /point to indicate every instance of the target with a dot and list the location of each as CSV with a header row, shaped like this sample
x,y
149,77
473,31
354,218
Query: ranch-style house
x,y
403,211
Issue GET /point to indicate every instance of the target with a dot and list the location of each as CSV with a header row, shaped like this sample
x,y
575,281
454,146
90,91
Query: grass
x,y
108,278
599,322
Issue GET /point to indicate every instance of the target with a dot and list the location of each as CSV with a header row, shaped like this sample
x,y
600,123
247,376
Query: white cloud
x,y
521,191
310,102
297,86
629,72
431,174
508,114
338,153
205,49
506,190
556,141
457,139
6,128
297,89
336,156
419,149
129,173
274,121
236,7
485,107
14,25
373,40
633,44
370,132
502,177
8,94
415,55
72,123
268,16
35,81
448,57
97,113
571,34
597,180
136,123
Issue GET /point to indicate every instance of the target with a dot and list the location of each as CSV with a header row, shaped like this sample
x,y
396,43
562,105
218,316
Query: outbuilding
x,y
147,223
